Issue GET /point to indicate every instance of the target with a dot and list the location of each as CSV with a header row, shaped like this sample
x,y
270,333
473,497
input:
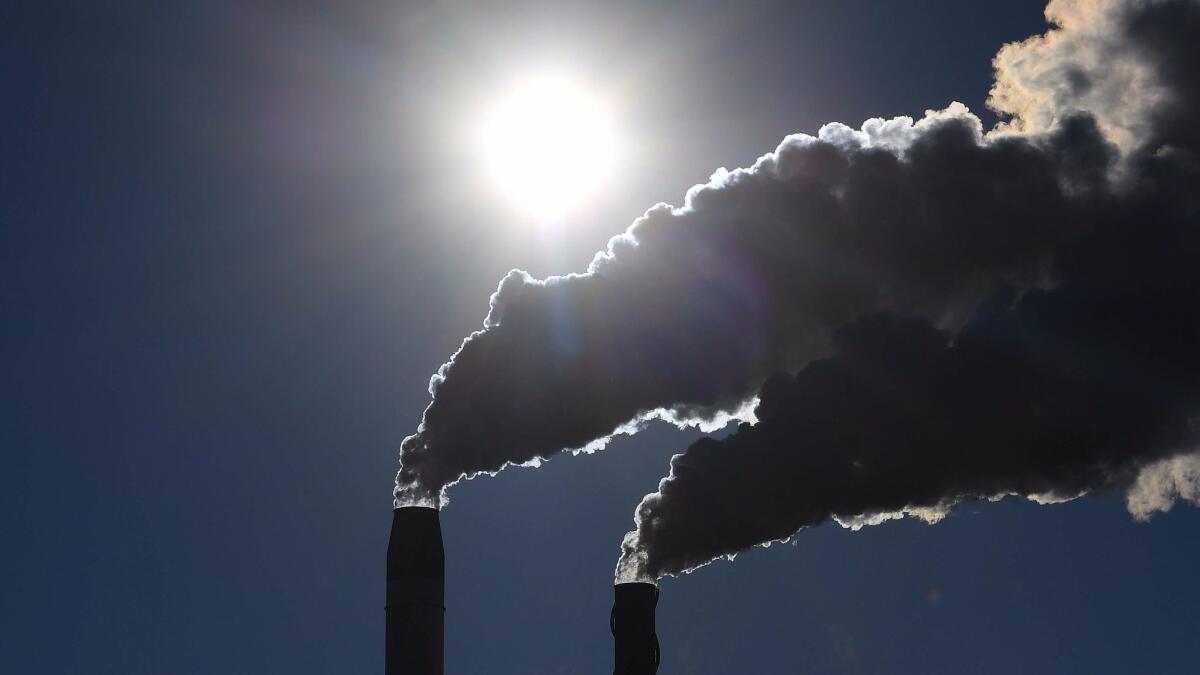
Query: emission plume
x,y
1089,383
688,313
1051,396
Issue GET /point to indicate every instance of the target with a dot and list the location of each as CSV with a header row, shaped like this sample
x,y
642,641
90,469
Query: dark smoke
x,y
1091,383
838,283
1060,393
690,310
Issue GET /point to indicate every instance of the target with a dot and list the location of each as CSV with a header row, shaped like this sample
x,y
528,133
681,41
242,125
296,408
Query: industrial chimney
x,y
632,623
415,593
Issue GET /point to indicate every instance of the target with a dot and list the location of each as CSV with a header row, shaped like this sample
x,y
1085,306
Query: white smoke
x,y
1085,63
1161,483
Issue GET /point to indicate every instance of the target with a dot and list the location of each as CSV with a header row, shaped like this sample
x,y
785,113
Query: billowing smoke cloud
x,y
692,308
867,250
1059,393
1089,383
1131,64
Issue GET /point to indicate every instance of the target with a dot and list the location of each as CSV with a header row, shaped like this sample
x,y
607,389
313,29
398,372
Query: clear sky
x,y
237,239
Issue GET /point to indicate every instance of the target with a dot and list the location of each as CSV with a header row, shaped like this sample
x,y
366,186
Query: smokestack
x,y
415,593
632,623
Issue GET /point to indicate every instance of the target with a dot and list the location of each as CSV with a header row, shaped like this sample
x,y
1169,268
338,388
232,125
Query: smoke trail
x,y
1089,384
1064,392
687,313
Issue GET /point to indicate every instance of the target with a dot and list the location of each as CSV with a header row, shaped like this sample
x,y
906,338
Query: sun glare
x,y
546,145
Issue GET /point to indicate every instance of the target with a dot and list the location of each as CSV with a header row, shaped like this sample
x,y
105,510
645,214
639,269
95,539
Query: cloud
x,y
1060,392
1130,64
912,313
685,315
1090,381
1160,483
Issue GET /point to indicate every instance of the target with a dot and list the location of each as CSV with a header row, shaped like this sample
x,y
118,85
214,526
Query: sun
x,y
546,144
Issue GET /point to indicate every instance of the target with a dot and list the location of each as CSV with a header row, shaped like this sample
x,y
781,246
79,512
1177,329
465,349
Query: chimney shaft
x,y
632,623
415,593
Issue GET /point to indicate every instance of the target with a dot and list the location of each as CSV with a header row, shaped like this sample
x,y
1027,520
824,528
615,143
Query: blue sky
x,y
237,240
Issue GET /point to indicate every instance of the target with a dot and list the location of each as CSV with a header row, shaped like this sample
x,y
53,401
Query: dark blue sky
x,y
237,240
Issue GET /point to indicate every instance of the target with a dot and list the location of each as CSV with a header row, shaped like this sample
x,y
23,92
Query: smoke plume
x,y
686,314
1062,392
903,316
1091,382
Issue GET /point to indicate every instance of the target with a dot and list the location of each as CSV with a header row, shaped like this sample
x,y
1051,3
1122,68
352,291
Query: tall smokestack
x,y
632,623
415,593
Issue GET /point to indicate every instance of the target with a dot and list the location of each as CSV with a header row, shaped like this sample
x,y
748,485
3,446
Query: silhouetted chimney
x,y
632,623
415,593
